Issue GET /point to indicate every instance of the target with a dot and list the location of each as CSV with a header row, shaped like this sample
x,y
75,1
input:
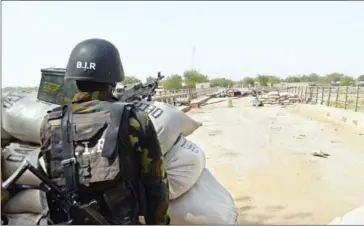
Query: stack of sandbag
x,y
354,217
184,165
27,207
288,98
196,197
264,99
22,116
273,97
206,203
169,122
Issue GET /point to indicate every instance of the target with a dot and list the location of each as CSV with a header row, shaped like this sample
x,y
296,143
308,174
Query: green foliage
x,y
292,79
361,78
130,80
191,77
172,82
333,77
273,79
248,81
222,82
346,80
262,79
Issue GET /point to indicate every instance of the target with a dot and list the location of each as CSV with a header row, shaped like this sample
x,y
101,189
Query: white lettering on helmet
x,y
86,65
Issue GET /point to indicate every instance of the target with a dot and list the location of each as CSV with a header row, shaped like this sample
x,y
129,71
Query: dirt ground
x,y
263,157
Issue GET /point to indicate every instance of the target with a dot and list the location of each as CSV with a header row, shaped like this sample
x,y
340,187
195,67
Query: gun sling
x,y
69,162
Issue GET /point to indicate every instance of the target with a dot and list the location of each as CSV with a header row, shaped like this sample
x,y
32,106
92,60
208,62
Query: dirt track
x,y
263,157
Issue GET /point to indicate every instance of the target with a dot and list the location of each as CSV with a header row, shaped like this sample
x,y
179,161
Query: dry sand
x,y
263,157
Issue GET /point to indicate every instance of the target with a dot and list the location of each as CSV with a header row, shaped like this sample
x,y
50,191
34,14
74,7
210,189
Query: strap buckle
x,y
68,162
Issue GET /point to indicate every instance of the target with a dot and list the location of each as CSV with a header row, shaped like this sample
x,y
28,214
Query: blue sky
x,y
232,39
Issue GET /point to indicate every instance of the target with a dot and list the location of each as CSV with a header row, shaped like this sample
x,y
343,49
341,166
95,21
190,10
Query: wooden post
x,y
357,98
317,89
337,96
322,95
329,97
346,97
306,93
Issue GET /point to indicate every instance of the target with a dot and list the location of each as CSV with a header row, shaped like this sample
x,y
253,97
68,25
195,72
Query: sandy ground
x,y
263,157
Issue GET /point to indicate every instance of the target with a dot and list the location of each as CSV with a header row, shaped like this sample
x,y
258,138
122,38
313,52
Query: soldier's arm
x,y
154,175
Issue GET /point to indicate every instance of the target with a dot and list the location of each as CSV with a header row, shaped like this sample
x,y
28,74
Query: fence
x,y
172,96
347,97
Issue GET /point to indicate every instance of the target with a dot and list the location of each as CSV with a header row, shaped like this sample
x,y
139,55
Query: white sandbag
x,y
354,217
207,202
168,121
27,201
5,137
26,219
22,115
12,157
184,164
272,93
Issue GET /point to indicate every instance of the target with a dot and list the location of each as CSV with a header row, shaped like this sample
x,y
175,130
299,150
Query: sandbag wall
x,y
275,97
196,196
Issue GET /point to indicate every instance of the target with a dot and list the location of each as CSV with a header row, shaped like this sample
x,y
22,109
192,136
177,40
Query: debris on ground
x,y
319,153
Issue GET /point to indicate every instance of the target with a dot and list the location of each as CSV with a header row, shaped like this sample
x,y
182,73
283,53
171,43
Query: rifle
x,y
138,91
78,214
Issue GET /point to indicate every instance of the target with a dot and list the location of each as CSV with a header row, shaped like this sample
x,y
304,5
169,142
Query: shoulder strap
x,y
69,162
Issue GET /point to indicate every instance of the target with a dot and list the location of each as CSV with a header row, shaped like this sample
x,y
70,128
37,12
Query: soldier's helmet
x,y
95,60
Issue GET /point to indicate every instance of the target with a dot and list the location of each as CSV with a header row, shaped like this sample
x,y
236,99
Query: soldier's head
x,y
95,65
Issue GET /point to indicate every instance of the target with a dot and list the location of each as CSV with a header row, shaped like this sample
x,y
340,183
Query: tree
x,y
130,80
191,77
361,78
222,82
346,80
333,77
248,81
262,79
172,82
292,79
273,79
313,77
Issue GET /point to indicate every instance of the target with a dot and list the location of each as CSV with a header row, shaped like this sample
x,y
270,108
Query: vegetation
x,y
190,78
130,80
172,82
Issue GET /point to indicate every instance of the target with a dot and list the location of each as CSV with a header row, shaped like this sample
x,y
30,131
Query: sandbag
x,y
184,164
5,137
354,217
27,201
207,202
12,157
168,121
25,219
22,115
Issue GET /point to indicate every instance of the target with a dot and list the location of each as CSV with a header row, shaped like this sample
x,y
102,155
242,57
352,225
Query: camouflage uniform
x,y
152,163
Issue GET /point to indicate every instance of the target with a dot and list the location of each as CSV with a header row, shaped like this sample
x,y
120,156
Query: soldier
x,y
119,165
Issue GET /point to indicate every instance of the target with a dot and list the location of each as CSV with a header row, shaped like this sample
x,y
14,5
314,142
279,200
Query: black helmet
x,y
95,60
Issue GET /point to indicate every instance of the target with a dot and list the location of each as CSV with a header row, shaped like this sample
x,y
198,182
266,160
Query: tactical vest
x,y
106,162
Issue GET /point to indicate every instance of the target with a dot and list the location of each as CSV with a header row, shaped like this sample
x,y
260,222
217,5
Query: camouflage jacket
x,y
152,163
